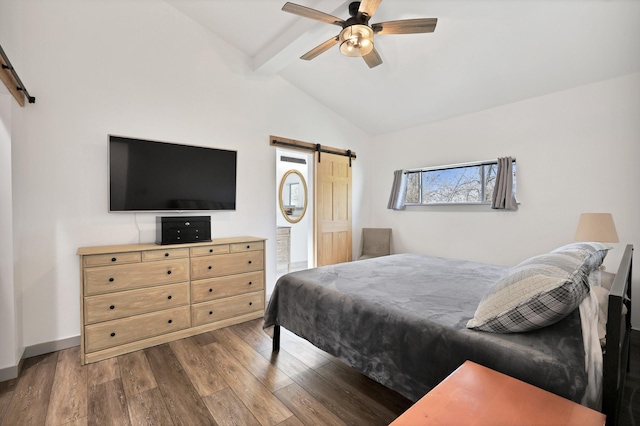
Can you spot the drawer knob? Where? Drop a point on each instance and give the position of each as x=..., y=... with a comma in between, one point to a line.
x=166, y=255
x=110, y=280
x=113, y=334
x=113, y=259
x=249, y=262
x=250, y=303
x=169, y=297
x=250, y=282
x=210, y=250
x=210, y=312
x=210, y=290
x=170, y=321
x=248, y=246
x=210, y=267
x=169, y=272
x=112, y=307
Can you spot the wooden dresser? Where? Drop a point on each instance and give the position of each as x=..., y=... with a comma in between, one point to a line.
x=140, y=295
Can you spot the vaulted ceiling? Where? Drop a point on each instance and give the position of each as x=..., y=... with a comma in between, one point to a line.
x=482, y=54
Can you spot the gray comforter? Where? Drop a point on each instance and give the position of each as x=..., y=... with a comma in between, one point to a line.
x=401, y=320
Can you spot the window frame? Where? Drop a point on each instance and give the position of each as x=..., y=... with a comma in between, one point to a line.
x=450, y=167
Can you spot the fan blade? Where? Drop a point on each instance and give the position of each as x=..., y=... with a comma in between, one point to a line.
x=307, y=12
x=407, y=26
x=320, y=49
x=368, y=7
x=372, y=58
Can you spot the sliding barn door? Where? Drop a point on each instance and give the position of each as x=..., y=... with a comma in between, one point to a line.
x=332, y=209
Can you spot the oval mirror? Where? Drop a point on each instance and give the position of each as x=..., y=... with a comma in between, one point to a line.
x=293, y=196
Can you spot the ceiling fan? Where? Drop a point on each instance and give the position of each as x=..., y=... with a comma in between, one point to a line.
x=356, y=37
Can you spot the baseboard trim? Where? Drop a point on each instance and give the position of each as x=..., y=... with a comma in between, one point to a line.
x=35, y=350
x=12, y=372
x=48, y=347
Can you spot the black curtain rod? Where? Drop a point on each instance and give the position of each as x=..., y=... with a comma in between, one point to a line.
x=21, y=87
x=316, y=148
x=455, y=166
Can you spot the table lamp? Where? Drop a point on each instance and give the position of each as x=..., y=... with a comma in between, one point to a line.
x=597, y=227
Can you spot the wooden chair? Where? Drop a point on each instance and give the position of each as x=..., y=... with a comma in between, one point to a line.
x=375, y=242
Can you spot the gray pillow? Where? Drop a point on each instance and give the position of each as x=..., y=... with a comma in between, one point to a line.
x=536, y=293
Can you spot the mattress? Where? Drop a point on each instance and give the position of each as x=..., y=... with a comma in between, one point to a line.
x=401, y=320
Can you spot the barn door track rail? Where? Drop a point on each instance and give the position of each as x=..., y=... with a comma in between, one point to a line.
x=10, y=78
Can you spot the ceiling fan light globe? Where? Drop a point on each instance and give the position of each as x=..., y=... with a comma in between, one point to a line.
x=365, y=47
x=347, y=48
x=356, y=40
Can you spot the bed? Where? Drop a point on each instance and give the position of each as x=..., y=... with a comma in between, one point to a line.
x=402, y=321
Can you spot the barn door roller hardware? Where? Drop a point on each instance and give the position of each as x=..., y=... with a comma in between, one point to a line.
x=307, y=146
x=10, y=78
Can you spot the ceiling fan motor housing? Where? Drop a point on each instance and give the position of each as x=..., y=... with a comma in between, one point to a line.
x=353, y=8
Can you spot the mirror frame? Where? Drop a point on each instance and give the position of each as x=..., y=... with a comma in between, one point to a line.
x=304, y=187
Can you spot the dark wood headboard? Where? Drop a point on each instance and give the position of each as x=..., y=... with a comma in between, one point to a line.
x=616, y=354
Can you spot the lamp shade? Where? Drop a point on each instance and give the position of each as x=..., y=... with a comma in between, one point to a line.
x=596, y=227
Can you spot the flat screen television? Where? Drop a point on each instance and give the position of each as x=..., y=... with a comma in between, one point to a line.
x=158, y=176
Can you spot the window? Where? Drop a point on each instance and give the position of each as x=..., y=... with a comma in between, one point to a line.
x=457, y=184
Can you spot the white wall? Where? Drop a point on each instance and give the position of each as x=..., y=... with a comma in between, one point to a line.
x=577, y=151
x=139, y=69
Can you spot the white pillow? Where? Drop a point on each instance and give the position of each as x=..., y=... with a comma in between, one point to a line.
x=602, y=294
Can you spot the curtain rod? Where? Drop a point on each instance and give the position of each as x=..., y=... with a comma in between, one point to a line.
x=7, y=66
x=454, y=166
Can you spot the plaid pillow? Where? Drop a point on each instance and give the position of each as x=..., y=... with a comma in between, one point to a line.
x=591, y=253
x=536, y=293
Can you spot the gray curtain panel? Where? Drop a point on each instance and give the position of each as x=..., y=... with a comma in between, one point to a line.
x=503, y=196
x=398, y=191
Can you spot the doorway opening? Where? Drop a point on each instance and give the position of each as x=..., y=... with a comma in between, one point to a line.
x=294, y=210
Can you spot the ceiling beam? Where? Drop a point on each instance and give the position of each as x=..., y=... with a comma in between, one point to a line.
x=299, y=38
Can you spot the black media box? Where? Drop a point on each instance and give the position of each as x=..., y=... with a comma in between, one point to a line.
x=180, y=230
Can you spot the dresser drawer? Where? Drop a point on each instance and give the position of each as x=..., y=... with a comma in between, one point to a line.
x=282, y=255
x=241, y=247
x=111, y=258
x=283, y=231
x=106, y=279
x=230, y=307
x=216, y=288
x=226, y=264
x=122, y=304
x=209, y=250
x=117, y=332
x=150, y=255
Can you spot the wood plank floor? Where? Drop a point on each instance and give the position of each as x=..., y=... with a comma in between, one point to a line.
x=225, y=377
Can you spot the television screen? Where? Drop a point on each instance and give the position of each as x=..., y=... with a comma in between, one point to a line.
x=159, y=176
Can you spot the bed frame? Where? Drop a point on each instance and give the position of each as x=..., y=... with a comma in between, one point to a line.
x=616, y=353
x=617, y=349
